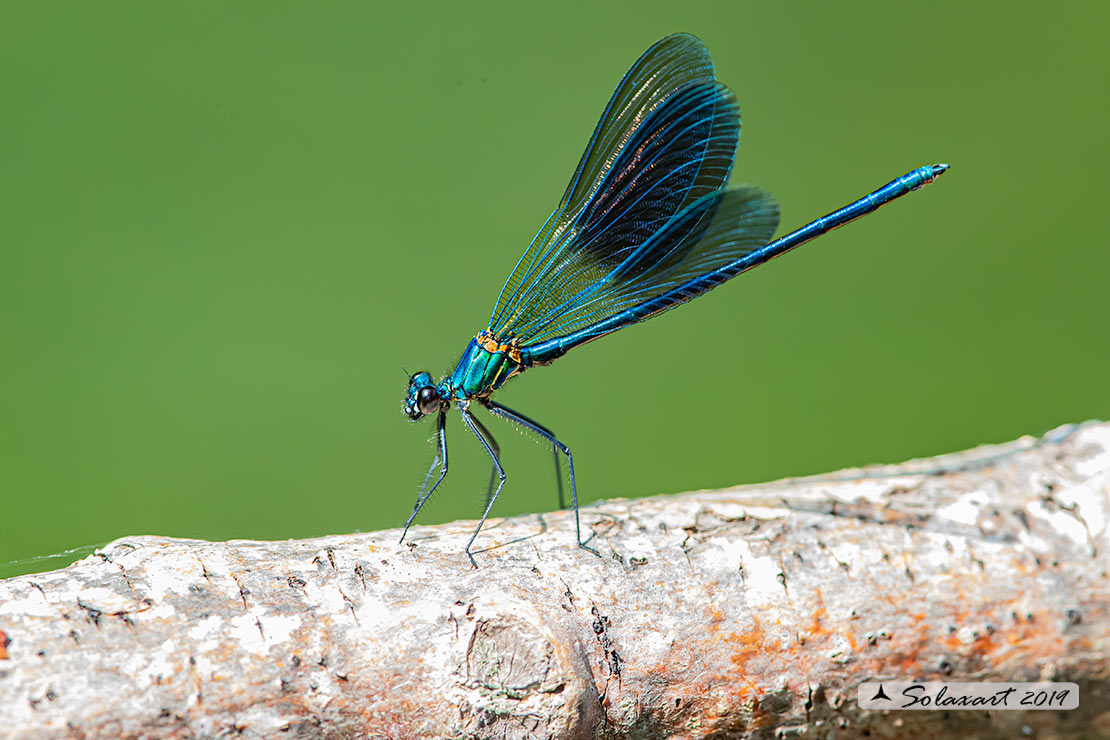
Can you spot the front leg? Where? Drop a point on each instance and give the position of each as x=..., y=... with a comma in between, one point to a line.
x=441, y=457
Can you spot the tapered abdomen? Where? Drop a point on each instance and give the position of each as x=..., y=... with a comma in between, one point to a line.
x=552, y=349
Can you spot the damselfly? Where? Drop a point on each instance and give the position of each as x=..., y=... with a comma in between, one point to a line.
x=645, y=225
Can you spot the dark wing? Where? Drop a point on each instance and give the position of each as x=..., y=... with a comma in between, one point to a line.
x=666, y=139
x=677, y=263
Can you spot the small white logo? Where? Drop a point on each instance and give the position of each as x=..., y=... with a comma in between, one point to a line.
x=967, y=695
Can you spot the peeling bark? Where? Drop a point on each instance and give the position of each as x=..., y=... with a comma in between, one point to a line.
x=750, y=612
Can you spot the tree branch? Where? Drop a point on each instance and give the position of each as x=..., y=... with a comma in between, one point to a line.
x=739, y=613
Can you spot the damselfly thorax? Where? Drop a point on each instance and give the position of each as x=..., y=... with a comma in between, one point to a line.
x=485, y=365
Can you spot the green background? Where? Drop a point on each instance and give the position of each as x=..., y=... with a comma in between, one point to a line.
x=225, y=227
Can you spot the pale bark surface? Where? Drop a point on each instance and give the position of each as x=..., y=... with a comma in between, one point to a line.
x=737, y=613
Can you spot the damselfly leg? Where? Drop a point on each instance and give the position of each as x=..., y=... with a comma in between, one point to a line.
x=496, y=451
x=517, y=418
x=558, y=477
x=474, y=426
x=441, y=458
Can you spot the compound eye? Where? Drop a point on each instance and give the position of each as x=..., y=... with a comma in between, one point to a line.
x=428, y=400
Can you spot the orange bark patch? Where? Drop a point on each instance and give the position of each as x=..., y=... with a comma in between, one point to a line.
x=751, y=644
x=983, y=645
x=815, y=629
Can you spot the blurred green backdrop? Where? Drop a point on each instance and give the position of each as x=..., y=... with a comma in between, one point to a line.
x=226, y=226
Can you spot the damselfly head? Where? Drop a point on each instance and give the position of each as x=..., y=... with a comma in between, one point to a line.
x=423, y=396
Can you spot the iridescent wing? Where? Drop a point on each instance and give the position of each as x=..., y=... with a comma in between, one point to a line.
x=677, y=263
x=667, y=137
